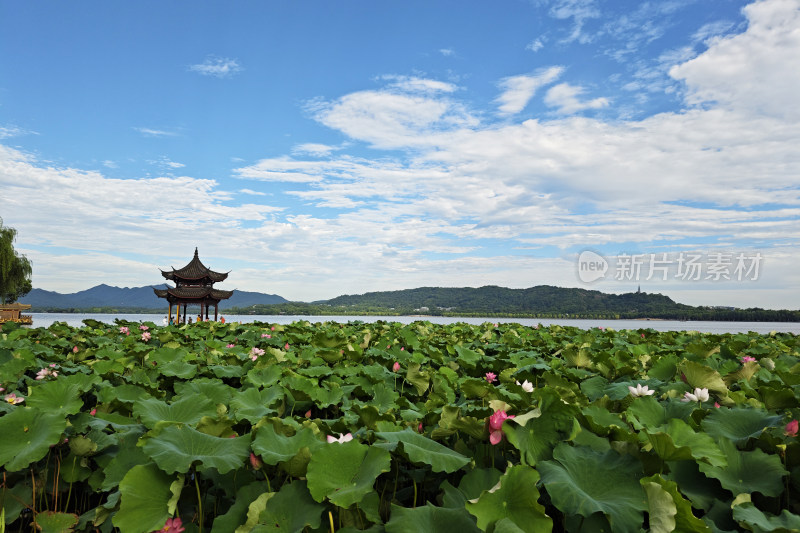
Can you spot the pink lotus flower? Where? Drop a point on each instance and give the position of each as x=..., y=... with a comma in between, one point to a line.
x=402, y=348
x=256, y=461
x=173, y=525
x=420, y=428
x=75, y=349
x=2, y=389
x=255, y=352
x=792, y=428
x=643, y=335
x=13, y=399
x=286, y=346
x=716, y=405
x=491, y=377
x=146, y=336
x=93, y=411
x=272, y=328
x=125, y=330
x=308, y=413
x=341, y=439
x=601, y=328
x=266, y=336
x=495, y=426
x=395, y=366
x=748, y=359
x=143, y=327
x=231, y=346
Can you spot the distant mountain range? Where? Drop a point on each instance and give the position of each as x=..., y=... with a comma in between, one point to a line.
x=127, y=298
x=540, y=301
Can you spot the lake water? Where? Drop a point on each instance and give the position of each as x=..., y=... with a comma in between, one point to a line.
x=76, y=319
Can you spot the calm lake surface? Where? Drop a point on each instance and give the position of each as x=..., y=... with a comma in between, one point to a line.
x=76, y=319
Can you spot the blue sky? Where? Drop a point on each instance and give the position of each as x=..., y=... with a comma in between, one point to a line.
x=322, y=148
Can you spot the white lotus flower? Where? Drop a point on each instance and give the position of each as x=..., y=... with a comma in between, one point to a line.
x=526, y=385
x=700, y=395
x=640, y=390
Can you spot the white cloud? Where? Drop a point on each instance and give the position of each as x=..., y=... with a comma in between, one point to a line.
x=756, y=72
x=10, y=130
x=447, y=52
x=536, y=44
x=518, y=90
x=314, y=149
x=150, y=132
x=110, y=164
x=565, y=98
x=577, y=10
x=218, y=67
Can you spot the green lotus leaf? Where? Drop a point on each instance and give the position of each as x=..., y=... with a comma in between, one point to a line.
x=345, y=472
x=267, y=376
x=420, y=379
x=699, y=375
x=536, y=438
x=471, y=486
x=752, y=518
x=738, y=424
x=188, y=409
x=61, y=396
x=125, y=393
x=175, y=448
x=668, y=510
x=681, y=442
x=52, y=522
x=128, y=455
x=649, y=414
x=15, y=498
x=27, y=435
x=180, y=369
x=290, y=510
x=328, y=394
x=226, y=371
x=516, y=498
x=466, y=357
x=753, y=471
x=430, y=519
x=236, y=514
x=145, y=494
x=581, y=481
x=213, y=389
x=273, y=447
x=421, y=449
x=253, y=404
x=384, y=398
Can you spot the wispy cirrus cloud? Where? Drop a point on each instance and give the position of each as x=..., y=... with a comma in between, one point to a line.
x=152, y=132
x=10, y=130
x=566, y=99
x=518, y=90
x=218, y=67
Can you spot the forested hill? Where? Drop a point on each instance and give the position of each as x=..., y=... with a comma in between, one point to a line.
x=493, y=299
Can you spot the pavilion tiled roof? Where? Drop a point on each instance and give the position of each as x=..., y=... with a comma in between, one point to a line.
x=194, y=293
x=195, y=270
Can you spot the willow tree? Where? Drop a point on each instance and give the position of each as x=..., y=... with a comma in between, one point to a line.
x=15, y=269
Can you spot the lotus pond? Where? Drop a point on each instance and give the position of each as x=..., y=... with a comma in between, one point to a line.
x=396, y=427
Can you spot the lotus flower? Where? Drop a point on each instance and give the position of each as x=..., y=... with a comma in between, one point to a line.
x=526, y=385
x=125, y=330
x=255, y=352
x=342, y=438
x=491, y=377
x=640, y=390
x=256, y=461
x=143, y=327
x=792, y=428
x=495, y=426
x=700, y=395
x=748, y=359
x=146, y=336
x=308, y=413
x=286, y=346
x=266, y=336
x=75, y=349
x=13, y=399
x=395, y=366
x=93, y=411
x=230, y=346
x=173, y=525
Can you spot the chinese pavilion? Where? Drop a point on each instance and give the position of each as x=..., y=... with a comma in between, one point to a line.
x=194, y=285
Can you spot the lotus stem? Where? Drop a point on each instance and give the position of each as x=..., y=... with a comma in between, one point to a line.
x=330, y=519
x=199, y=504
x=414, y=505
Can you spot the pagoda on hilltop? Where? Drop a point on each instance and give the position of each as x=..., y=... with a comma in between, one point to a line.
x=194, y=285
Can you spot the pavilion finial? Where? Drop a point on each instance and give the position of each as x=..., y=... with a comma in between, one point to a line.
x=195, y=251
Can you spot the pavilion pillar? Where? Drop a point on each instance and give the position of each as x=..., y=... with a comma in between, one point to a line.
x=216, y=310
x=169, y=316
x=178, y=314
